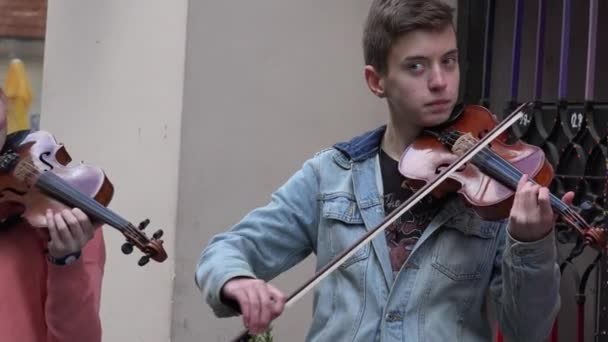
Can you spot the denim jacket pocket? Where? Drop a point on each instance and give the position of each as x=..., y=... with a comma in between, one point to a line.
x=345, y=226
x=464, y=253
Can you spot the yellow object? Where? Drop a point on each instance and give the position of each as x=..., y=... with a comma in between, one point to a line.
x=19, y=93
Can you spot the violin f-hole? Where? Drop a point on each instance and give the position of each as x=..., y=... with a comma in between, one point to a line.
x=41, y=158
x=440, y=168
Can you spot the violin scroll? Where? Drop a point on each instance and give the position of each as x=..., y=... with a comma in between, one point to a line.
x=594, y=236
x=153, y=248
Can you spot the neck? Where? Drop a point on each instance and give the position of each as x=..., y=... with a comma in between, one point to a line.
x=397, y=137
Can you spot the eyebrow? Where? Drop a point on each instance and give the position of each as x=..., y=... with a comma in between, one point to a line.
x=416, y=57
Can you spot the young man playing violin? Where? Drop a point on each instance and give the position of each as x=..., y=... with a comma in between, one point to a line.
x=51, y=279
x=427, y=277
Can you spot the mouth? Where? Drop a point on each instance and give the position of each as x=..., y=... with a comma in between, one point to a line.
x=438, y=105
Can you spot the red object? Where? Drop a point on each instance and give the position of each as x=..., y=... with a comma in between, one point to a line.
x=554, y=331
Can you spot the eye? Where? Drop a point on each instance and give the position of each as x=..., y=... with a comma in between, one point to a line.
x=450, y=61
x=415, y=67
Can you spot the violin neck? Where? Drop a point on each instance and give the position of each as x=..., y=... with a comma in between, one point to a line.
x=59, y=189
x=495, y=166
x=558, y=205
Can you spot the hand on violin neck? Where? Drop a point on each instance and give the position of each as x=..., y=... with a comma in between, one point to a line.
x=532, y=217
x=69, y=231
x=260, y=303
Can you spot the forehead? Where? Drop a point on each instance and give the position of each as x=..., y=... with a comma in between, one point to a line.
x=423, y=43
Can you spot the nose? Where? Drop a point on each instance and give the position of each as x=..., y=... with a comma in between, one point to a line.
x=437, y=79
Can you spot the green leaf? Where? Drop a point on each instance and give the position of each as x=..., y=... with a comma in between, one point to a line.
x=265, y=337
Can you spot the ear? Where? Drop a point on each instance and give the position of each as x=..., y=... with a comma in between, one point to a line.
x=374, y=80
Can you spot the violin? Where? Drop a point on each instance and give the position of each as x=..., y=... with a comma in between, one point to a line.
x=487, y=183
x=36, y=175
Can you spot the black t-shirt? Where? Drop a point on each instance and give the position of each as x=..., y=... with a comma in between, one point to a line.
x=402, y=235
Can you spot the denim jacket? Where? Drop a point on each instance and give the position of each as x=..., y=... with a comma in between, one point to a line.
x=438, y=295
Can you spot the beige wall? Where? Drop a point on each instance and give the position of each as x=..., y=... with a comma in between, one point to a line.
x=113, y=78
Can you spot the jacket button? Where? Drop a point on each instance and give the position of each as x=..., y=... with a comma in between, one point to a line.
x=394, y=316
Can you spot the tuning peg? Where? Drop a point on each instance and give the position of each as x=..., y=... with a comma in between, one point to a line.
x=158, y=234
x=143, y=260
x=143, y=224
x=127, y=248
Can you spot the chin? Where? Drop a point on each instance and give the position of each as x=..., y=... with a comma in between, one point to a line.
x=434, y=119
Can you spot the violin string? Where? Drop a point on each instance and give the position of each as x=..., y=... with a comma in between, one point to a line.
x=131, y=232
x=514, y=175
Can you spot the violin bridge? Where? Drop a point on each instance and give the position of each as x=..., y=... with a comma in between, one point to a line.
x=463, y=144
x=25, y=171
